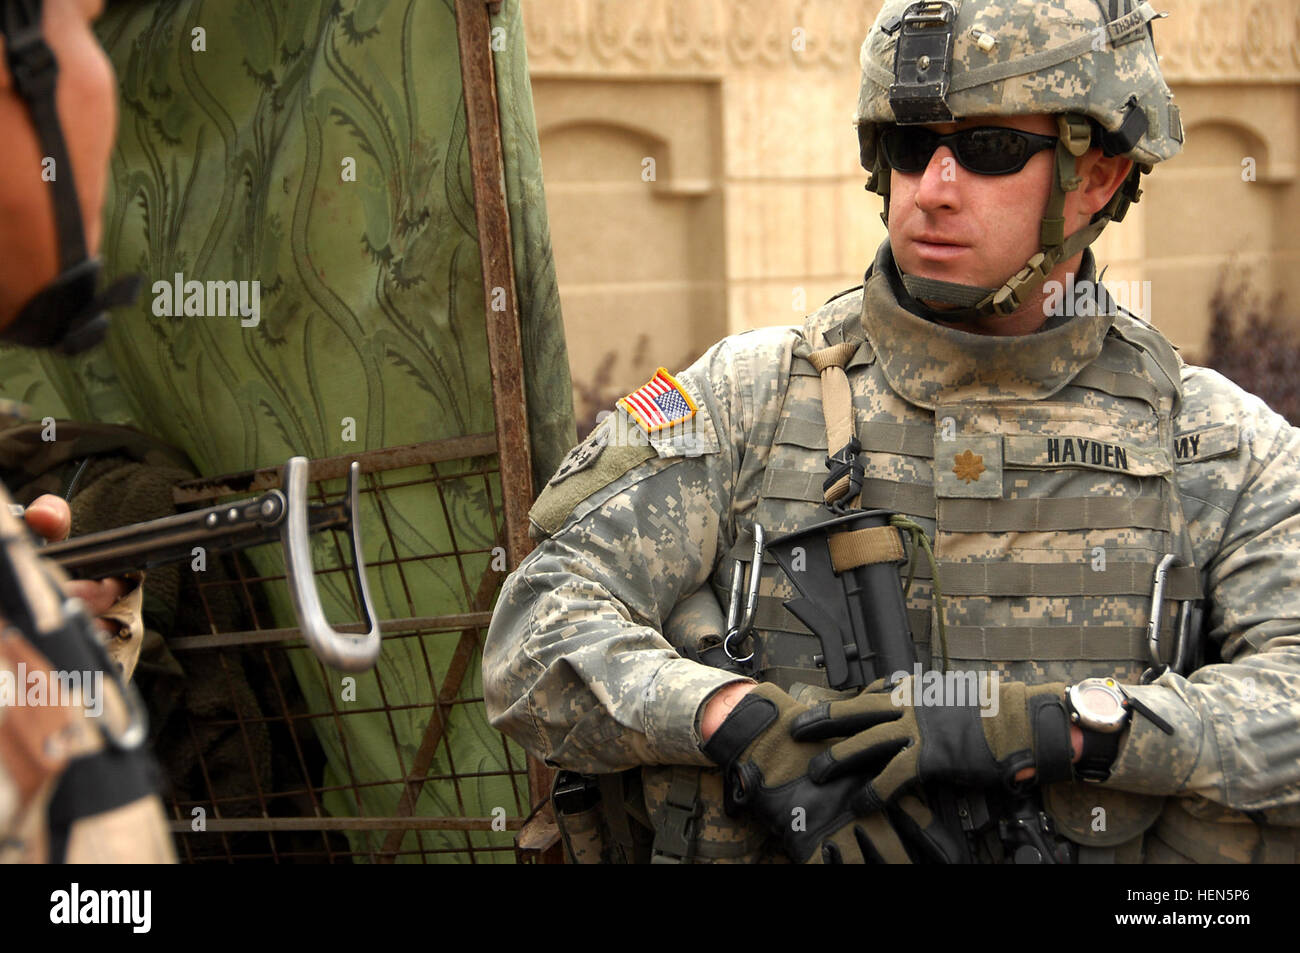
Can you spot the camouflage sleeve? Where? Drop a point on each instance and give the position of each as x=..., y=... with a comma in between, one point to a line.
x=576, y=666
x=1237, y=723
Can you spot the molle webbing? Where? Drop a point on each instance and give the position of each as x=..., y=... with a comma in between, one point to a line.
x=786, y=677
x=631, y=841
x=1014, y=643
x=772, y=615
x=1052, y=515
x=1002, y=643
x=675, y=829
x=1031, y=579
x=1118, y=384
x=877, y=494
x=908, y=439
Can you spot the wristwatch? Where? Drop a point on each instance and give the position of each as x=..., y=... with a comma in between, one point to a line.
x=1101, y=708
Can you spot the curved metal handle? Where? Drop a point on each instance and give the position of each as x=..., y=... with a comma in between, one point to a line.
x=341, y=650
x=1180, y=657
x=1158, y=605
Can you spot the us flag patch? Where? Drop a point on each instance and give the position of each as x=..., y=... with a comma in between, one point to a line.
x=660, y=403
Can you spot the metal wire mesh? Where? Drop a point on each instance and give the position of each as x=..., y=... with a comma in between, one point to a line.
x=287, y=765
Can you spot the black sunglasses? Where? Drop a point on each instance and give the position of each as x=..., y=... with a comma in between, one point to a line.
x=987, y=150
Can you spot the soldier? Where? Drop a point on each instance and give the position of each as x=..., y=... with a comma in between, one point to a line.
x=76, y=784
x=1078, y=481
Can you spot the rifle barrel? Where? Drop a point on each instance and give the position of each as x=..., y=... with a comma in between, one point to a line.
x=172, y=539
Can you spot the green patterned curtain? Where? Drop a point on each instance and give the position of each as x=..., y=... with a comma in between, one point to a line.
x=241, y=123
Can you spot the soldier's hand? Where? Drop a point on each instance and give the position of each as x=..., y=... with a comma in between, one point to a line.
x=767, y=777
x=49, y=517
x=910, y=821
x=900, y=745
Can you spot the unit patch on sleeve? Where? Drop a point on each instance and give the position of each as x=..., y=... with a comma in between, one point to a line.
x=581, y=457
x=660, y=403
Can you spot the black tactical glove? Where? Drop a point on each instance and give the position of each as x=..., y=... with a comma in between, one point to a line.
x=767, y=776
x=927, y=838
x=903, y=745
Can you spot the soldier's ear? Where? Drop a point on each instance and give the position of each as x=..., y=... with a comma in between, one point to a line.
x=1102, y=176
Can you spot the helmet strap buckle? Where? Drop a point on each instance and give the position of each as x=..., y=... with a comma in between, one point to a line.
x=1075, y=138
x=1008, y=297
x=1075, y=133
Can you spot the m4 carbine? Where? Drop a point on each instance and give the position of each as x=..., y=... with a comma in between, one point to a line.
x=282, y=516
x=847, y=573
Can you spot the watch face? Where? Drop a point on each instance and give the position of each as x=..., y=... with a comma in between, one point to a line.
x=1099, y=704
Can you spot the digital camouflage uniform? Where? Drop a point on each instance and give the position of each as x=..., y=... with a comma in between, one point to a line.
x=1053, y=472
x=577, y=668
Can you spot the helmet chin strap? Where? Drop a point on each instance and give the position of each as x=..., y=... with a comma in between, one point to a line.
x=69, y=313
x=973, y=302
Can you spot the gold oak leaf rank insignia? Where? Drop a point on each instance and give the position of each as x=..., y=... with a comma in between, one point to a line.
x=969, y=466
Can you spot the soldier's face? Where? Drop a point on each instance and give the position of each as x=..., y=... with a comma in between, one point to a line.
x=86, y=96
x=951, y=224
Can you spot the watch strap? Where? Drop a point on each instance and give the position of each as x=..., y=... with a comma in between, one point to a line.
x=1098, y=756
x=1050, y=722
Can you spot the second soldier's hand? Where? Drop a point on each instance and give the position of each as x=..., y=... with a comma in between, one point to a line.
x=49, y=517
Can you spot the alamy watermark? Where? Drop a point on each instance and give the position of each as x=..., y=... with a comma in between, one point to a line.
x=133, y=908
x=1087, y=298
x=686, y=437
x=37, y=688
x=211, y=299
x=946, y=689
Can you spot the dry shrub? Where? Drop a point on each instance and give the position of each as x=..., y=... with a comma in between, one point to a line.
x=599, y=392
x=1256, y=345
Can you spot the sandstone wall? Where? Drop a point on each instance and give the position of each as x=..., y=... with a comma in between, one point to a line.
x=702, y=174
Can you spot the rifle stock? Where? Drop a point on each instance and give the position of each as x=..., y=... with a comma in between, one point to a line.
x=860, y=617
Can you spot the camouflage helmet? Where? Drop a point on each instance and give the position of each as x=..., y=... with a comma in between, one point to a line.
x=1091, y=63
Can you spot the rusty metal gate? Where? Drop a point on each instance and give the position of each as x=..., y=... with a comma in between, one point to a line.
x=262, y=786
x=287, y=820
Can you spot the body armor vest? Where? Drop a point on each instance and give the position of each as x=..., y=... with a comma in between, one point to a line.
x=1042, y=469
